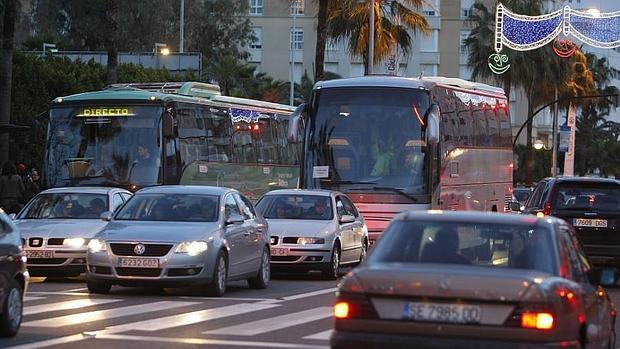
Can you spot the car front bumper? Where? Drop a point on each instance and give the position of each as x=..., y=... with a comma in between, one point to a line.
x=297, y=255
x=346, y=340
x=65, y=261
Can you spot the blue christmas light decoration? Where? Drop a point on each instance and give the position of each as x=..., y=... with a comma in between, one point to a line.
x=523, y=33
x=245, y=115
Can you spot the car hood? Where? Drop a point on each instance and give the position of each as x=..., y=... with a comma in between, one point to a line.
x=298, y=227
x=60, y=228
x=157, y=231
x=451, y=281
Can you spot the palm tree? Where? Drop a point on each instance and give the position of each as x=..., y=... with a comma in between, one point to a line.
x=348, y=20
x=112, y=18
x=321, y=39
x=227, y=71
x=6, y=72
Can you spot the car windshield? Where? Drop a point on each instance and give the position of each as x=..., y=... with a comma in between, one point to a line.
x=170, y=207
x=581, y=196
x=484, y=245
x=296, y=207
x=66, y=205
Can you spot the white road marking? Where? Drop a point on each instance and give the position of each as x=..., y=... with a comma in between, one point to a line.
x=107, y=314
x=30, y=298
x=228, y=298
x=191, y=318
x=275, y=323
x=50, y=342
x=74, y=304
x=76, y=289
x=205, y=341
x=323, y=336
x=59, y=293
x=308, y=294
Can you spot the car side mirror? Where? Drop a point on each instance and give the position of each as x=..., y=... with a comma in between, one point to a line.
x=606, y=277
x=294, y=124
x=346, y=219
x=106, y=216
x=233, y=221
x=515, y=206
x=432, y=125
x=12, y=216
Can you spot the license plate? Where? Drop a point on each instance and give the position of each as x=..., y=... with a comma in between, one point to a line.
x=138, y=263
x=39, y=254
x=437, y=312
x=278, y=251
x=584, y=222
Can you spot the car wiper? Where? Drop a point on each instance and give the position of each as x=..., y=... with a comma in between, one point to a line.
x=398, y=191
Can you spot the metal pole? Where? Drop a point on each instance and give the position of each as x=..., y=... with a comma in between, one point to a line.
x=181, y=26
x=554, y=161
x=371, y=38
x=293, y=35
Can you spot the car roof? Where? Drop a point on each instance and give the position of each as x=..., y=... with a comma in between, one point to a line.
x=83, y=190
x=477, y=217
x=569, y=179
x=318, y=192
x=185, y=189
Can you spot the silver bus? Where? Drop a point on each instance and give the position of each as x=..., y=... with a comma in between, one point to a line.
x=394, y=144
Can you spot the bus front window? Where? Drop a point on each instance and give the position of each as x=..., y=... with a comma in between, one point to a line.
x=103, y=146
x=370, y=138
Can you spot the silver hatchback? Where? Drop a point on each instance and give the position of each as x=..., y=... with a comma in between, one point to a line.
x=313, y=230
x=181, y=236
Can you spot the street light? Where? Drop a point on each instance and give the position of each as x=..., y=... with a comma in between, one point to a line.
x=52, y=47
x=164, y=49
x=538, y=144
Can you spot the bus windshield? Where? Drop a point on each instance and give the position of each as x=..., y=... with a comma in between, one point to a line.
x=370, y=138
x=103, y=146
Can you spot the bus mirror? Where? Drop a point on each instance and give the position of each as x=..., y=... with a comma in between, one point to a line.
x=295, y=123
x=432, y=125
x=168, y=125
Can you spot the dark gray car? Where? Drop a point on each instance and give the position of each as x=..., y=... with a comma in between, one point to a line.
x=180, y=236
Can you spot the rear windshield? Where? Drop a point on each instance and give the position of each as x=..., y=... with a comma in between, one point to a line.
x=580, y=196
x=484, y=245
x=522, y=194
x=66, y=205
x=296, y=207
x=170, y=207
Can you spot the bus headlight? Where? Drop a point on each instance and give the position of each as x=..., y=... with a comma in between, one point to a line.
x=74, y=242
x=192, y=248
x=97, y=245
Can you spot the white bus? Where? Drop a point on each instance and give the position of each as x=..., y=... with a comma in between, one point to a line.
x=394, y=144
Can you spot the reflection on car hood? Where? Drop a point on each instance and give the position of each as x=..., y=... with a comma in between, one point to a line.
x=299, y=227
x=451, y=281
x=60, y=228
x=157, y=231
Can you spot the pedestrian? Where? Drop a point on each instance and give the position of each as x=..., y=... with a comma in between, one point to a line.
x=31, y=185
x=11, y=188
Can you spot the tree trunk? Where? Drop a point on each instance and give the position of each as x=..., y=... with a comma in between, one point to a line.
x=6, y=73
x=114, y=30
x=321, y=39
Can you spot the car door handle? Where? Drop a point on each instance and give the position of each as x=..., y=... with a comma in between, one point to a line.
x=247, y=233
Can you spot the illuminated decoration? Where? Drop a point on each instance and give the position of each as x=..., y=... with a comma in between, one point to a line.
x=96, y=112
x=524, y=33
x=564, y=47
x=245, y=115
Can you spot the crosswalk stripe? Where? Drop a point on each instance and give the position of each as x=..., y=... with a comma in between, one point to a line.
x=275, y=323
x=323, y=336
x=74, y=304
x=31, y=298
x=107, y=314
x=191, y=318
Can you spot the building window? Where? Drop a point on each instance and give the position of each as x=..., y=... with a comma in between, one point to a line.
x=466, y=8
x=297, y=38
x=428, y=12
x=297, y=7
x=464, y=36
x=257, y=43
x=466, y=12
x=430, y=43
x=331, y=45
x=256, y=7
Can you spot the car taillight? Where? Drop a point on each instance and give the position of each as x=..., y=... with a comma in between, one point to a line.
x=539, y=321
x=354, y=306
x=547, y=209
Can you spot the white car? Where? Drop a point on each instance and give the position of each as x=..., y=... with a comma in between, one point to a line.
x=313, y=230
x=57, y=224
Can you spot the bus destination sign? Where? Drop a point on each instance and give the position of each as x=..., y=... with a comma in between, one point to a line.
x=97, y=112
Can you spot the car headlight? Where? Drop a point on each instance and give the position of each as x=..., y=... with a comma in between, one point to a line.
x=310, y=241
x=192, y=248
x=74, y=242
x=97, y=245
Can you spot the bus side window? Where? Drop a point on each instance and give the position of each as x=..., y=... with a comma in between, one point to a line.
x=493, y=127
x=480, y=124
x=506, y=130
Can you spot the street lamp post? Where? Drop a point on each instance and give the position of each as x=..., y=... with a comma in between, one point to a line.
x=554, y=155
x=181, y=25
x=294, y=11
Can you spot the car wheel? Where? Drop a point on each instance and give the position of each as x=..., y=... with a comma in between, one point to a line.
x=11, y=317
x=98, y=287
x=217, y=287
x=332, y=269
x=264, y=272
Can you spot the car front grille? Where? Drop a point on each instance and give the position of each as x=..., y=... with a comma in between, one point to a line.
x=273, y=240
x=55, y=241
x=285, y=258
x=35, y=242
x=150, y=250
x=145, y=272
x=35, y=261
x=289, y=240
x=100, y=270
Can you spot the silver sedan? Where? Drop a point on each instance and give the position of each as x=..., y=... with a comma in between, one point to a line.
x=181, y=236
x=57, y=224
x=313, y=230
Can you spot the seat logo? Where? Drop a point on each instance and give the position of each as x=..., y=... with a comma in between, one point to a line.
x=139, y=249
x=36, y=242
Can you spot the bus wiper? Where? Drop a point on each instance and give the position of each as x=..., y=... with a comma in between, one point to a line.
x=398, y=191
x=350, y=182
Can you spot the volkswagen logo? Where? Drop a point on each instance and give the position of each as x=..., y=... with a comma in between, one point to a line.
x=139, y=249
